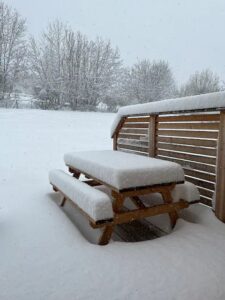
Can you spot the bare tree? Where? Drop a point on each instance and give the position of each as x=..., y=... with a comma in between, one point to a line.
x=150, y=81
x=46, y=65
x=70, y=69
x=12, y=48
x=201, y=83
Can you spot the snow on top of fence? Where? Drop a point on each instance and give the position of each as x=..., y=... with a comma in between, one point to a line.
x=190, y=103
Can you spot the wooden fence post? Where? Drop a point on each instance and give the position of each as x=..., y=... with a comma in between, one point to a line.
x=220, y=172
x=152, y=136
x=116, y=133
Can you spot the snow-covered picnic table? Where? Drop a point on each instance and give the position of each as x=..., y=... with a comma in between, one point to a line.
x=127, y=176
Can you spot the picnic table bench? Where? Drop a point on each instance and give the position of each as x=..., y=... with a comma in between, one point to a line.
x=126, y=176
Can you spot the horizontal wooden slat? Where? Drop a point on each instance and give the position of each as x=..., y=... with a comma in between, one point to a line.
x=185, y=125
x=200, y=175
x=203, y=159
x=132, y=147
x=131, y=136
x=202, y=117
x=135, y=130
x=190, y=164
x=133, y=152
x=206, y=193
x=138, y=119
x=206, y=201
x=135, y=125
x=185, y=133
x=201, y=183
x=133, y=142
x=187, y=141
x=188, y=149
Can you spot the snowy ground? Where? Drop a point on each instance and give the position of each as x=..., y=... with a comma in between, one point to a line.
x=44, y=256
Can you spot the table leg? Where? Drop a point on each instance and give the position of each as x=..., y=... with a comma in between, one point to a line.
x=75, y=173
x=167, y=198
x=108, y=230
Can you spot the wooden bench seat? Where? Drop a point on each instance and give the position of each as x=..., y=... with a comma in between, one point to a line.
x=96, y=204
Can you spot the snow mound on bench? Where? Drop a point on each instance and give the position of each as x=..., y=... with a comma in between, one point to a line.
x=125, y=170
x=94, y=202
x=190, y=103
x=186, y=191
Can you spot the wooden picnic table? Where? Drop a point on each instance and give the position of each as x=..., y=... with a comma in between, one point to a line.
x=129, y=176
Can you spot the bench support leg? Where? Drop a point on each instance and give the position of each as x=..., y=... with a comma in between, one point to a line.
x=137, y=201
x=167, y=198
x=75, y=173
x=63, y=202
x=106, y=235
x=54, y=189
x=108, y=230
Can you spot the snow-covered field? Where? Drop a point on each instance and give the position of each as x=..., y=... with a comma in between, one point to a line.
x=44, y=256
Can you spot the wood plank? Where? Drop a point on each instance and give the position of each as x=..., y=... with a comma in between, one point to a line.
x=187, y=141
x=188, y=149
x=135, y=125
x=119, y=126
x=133, y=152
x=131, y=136
x=186, y=164
x=201, y=175
x=220, y=175
x=134, y=130
x=195, y=158
x=115, y=142
x=116, y=132
x=206, y=193
x=152, y=136
x=137, y=202
x=133, y=142
x=138, y=119
x=144, y=190
x=201, y=183
x=106, y=235
x=192, y=117
x=206, y=201
x=184, y=133
x=137, y=214
x=185, y=125
x=133, y=147
x=91, y=182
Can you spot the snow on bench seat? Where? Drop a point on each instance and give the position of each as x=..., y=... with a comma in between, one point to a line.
x=186, y=191
x=94, y=202
x=124, y=170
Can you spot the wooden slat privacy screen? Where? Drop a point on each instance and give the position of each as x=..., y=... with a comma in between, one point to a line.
x=188, y=139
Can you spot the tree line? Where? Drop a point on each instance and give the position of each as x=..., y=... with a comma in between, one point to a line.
x=64, y=69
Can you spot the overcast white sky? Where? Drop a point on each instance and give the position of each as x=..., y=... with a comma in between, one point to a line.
x=189, y=34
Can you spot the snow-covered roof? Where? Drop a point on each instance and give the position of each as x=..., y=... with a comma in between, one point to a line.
x=200, y=102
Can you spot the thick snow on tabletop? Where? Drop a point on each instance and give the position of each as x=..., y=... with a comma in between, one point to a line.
x=124, y=170
x=206, y=101
x=95, y=203
x=44, y=256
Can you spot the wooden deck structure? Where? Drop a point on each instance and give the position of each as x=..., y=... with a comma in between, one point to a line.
x=195, y=139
